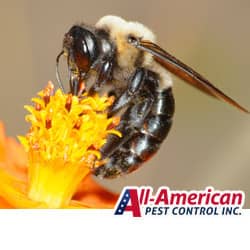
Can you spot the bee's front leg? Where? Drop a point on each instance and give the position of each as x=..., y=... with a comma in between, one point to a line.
x=104, y=74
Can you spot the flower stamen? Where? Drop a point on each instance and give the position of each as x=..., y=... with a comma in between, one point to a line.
x=68, y=102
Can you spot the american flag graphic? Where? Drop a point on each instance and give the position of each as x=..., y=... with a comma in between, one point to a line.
x=123, y=203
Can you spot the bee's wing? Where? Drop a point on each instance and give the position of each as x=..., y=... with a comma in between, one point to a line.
x=184, y=72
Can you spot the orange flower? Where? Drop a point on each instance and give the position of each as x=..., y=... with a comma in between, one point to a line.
x=62, y=146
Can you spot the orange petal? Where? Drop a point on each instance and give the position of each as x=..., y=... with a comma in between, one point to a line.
x=4, y=203
x=17, y=154
x=11, y=191
x=13, y=158
x=77, y=204
x=2, y=143
x=94, y=195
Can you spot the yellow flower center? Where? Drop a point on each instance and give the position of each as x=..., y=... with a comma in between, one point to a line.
x=63, y=142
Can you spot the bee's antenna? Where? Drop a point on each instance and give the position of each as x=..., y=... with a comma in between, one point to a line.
x=58, y=78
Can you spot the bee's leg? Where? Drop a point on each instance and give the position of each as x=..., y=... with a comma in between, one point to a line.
x=130, y=121
x=104, y=72
x=135, y=85
x=139, y=111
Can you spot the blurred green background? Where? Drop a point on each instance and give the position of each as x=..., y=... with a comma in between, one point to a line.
x=209, y=143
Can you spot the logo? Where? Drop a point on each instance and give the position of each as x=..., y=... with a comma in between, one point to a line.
x=141, y=201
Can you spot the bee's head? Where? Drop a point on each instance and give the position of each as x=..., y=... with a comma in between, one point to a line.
x=120, y=31
x=81, y=48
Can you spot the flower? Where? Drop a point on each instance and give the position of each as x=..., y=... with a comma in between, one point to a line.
x=60, y=150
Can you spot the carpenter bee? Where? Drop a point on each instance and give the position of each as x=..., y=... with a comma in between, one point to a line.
x=124, y=55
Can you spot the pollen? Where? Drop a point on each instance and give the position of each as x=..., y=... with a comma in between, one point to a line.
x=63, y=142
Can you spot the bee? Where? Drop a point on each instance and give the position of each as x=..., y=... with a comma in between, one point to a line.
x=124, y=55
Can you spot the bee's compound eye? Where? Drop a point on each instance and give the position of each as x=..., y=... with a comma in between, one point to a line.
x=82, y=45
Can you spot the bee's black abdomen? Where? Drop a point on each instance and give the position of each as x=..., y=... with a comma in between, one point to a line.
x=159, y=121
x=142, y=135
x=164, y=104
x=121, y=162
x=157, y=127
x=143, y=145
